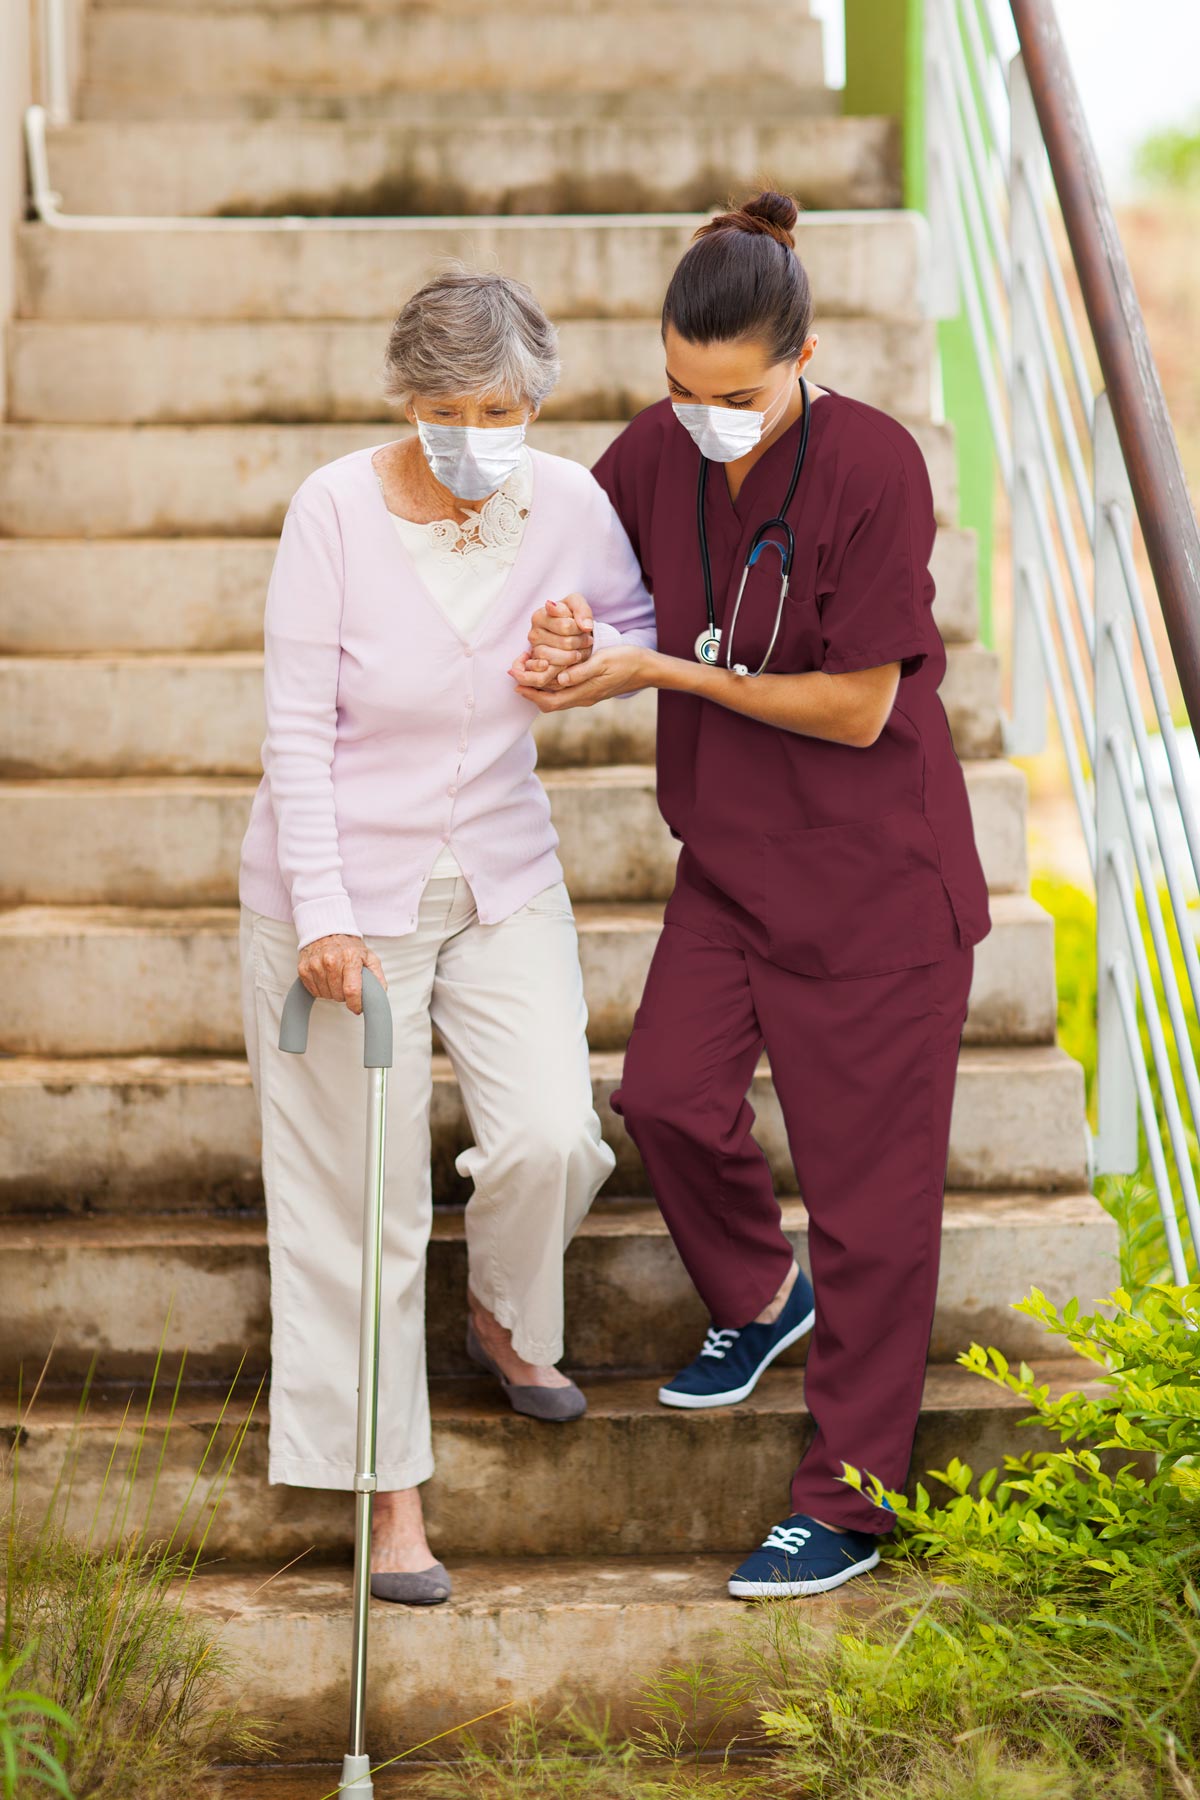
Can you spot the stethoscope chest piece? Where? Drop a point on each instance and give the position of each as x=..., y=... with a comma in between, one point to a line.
x=708, y=646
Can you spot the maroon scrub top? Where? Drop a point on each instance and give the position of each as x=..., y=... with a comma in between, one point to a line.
x=830, y=860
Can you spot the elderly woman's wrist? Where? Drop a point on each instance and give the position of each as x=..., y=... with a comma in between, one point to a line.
x=329, y=915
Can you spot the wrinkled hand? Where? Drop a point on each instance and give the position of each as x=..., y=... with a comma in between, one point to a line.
x=620, y=670
x=562, y=632
x=331, y=968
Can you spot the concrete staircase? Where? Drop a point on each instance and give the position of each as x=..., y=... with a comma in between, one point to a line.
x=169, y=388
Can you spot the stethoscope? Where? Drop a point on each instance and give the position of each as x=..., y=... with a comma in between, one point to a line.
x=708, y=644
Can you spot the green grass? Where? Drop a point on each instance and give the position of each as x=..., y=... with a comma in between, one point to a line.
x=110, y=1689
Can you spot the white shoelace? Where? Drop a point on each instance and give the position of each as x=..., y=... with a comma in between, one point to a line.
x=791, y=1538
x=718, y=1342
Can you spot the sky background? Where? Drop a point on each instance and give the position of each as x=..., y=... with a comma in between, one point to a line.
x=1136, y=62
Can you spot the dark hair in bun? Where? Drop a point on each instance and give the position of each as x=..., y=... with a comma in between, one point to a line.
x=741, y=278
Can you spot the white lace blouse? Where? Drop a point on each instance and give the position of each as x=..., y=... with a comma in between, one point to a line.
x=465, y=566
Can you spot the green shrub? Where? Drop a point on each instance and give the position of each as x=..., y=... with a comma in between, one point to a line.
x=1066, y=1514
x=1045, y=1641
x=1170, y=158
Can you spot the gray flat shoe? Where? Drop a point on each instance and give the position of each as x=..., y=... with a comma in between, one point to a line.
x=555, y=1405
x=427, y=1587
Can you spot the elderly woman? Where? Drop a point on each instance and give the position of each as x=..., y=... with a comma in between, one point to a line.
x=399, y=826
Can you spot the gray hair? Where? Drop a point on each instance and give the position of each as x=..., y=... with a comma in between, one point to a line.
x=473, y=335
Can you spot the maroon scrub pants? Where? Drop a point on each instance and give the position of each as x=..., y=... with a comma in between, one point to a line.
x=864, y=1069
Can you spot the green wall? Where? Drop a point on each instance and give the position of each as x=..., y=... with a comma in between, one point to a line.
x=885, y=75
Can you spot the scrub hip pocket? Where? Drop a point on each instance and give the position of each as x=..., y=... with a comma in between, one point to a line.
x=861, y=898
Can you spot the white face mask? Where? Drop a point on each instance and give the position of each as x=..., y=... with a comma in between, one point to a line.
x=472, y=460
x=724, y=433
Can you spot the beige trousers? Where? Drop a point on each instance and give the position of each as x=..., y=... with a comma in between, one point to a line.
x=507, y=1000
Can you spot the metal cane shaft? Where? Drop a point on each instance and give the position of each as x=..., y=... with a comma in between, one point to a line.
x=368, y=1399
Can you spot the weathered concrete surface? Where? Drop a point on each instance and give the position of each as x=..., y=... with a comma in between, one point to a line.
x=203, y=715
x=133, y=983
x=517, y=1633
x=155, y=841
x=176, y=842
x=108, y=981
x=582, y=266
x=206, y=594
x=212, y=480
x=632, y=1477
x=121, y=1289
x=649, y=164
x=187, y=374
x=181, y=1132
x=169, y=54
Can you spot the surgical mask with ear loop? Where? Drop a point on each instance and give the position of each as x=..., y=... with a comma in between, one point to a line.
x=472, y=460
x=724, y=433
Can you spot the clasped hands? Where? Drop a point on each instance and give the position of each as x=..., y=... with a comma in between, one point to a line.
x=563, y=668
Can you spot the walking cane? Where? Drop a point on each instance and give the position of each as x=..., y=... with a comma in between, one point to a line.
x=377, y=1057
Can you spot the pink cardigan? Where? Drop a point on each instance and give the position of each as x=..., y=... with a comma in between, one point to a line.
x=388, y=734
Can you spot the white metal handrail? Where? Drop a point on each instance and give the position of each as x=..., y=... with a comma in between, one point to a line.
x=1074, y=641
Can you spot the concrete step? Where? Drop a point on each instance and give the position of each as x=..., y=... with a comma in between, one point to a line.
x=123, y=481
x=155, y=56
x=149, y=372
x=162, y=841
x=518, y=1633
x=648, y=164
x=614, y=1481
x=120, y=1289
x=165, y=842
x=107, y=981
x=113, y=595
x=196, y=714
x=171, y=1134
x=184, y=965
x=129, y=702
x=580, y=267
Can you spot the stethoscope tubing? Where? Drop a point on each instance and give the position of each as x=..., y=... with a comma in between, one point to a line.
x=758, y=543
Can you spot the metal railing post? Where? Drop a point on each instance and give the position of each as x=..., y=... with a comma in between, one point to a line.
x=1116, y=1092
x=55, y=51
x=944, y=297
x=1026, y=725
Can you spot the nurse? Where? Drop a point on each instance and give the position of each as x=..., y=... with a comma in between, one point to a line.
x=829, y=891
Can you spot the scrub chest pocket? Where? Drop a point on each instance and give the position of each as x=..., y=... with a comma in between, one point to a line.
x=861, y=898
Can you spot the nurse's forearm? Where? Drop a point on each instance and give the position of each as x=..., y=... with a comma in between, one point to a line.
x=845, y=709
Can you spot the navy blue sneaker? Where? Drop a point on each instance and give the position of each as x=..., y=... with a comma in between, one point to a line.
x=729, y=1365
x=802, y=1557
